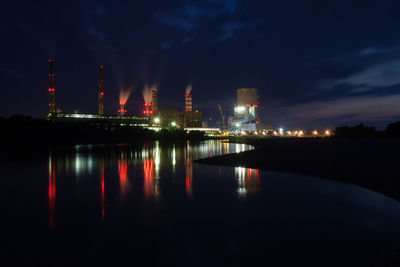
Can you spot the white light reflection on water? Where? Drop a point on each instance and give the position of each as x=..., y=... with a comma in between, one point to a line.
x=156, y=155
x=248, y=180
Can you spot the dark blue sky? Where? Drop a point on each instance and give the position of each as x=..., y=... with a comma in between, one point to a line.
x=315, y=63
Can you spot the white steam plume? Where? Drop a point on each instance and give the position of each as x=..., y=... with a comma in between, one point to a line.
x=123, y=96
x=146, y=94
x=188, y=89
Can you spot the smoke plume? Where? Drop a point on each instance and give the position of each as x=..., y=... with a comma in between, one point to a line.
x=188, y=89
x=123, y=96
x=146, y=94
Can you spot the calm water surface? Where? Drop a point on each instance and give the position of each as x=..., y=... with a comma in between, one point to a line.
x=149, y=205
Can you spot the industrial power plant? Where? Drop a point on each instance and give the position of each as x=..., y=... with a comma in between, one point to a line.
x=152, y=117
x=245, y=119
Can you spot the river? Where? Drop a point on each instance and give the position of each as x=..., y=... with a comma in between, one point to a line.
x=149, y=205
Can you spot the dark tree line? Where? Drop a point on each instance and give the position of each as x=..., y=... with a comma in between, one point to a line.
x=360, y=130
x=20, y=130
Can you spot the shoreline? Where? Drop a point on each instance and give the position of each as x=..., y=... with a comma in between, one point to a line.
x=370, y=163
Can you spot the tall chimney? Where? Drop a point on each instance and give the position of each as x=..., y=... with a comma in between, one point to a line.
x=147, y=109
x=154, y=100
x=101, y=92
x=122, y=109
x=188, y=102
x=52, y=108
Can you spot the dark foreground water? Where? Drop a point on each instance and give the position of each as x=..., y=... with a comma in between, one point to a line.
x=149, y=205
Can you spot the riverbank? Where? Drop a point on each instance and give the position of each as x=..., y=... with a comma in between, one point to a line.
x=371, y=163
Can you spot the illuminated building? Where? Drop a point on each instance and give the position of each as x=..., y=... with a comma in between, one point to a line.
x=183, y=119
x=192, y=119
x=245, y=116
x=103, y=120
x=245, y=111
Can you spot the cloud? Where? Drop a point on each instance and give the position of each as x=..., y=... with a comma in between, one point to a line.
x=165, y=45
x=376, y=76
x=90, y=17
x=348, y=109
x=376, y=50
x=188, y=16
x=229, y=29
x=176, y=22
x=186, y=39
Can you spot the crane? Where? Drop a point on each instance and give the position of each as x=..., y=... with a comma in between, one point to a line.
x=222, y=116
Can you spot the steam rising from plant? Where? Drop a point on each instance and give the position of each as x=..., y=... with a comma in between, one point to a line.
x=147, y=94
x=188, y=89
x=123, y=96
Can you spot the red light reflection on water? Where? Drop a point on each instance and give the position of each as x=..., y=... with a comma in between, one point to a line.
x=52, y=192
x=189, y=176
x=248, y=180
x=149, y=190
x=102, y=191
x=123, y=174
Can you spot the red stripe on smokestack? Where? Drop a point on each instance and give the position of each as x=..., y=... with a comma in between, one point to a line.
x=188, y=102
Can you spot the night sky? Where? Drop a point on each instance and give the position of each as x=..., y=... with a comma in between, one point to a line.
x=314, y=63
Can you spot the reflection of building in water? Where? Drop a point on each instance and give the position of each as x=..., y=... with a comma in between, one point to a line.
x=150, y=186
x=189, y=171
x=52, y=190
x=173, y=159
x=102, y=188
x=156, y=156
x=248, y=180
x=123, y=174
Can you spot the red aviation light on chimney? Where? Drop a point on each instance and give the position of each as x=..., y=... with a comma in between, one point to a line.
x=51, y=87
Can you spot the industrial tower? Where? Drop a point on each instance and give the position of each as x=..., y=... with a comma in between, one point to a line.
x=101, y=92
x=154, y=100
x=188, y=102
x=52, y=108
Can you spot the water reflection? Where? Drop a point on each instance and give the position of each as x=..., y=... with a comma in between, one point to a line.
x=173, y=156
x=150, y=186
x=189, y=171
x=52, y=190
x=148, y=165
x=248, y=180
x=156, y=217
x=102, y=189
x=123, y=174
